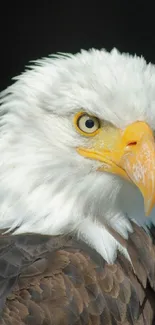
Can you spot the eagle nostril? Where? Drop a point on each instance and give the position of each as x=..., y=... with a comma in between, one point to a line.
x=132, y=143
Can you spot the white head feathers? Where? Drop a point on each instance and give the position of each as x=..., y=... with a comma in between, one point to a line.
x=45, y=186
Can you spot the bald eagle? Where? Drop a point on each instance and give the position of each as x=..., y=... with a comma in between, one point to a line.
x=77, y=180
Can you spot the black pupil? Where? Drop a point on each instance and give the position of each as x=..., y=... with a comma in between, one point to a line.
x=89, y=124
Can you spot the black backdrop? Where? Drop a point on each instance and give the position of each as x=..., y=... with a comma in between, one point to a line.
x=29, y=30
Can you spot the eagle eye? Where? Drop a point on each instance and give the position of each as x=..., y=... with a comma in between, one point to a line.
x=87, y=124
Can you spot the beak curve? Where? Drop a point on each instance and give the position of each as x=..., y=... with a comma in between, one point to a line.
x=139, y=164
x=130, y=153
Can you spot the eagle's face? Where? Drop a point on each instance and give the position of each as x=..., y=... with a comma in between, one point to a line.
x=77, y=147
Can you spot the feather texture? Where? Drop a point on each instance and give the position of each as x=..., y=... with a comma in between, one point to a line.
x=61, y=281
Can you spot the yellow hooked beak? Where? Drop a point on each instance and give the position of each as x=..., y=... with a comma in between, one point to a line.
x=129, y=153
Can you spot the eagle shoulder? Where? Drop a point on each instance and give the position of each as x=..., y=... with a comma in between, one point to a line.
x=60, y=280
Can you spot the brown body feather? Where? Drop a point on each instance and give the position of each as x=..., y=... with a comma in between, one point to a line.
x=61, y=281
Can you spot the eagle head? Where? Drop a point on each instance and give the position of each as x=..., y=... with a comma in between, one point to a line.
x=77, y=148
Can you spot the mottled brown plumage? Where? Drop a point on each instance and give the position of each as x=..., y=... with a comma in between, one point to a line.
x=61, y=281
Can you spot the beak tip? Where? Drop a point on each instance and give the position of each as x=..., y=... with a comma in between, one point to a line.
x=148, y=207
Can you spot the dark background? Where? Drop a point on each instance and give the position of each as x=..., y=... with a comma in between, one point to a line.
x=32, y=30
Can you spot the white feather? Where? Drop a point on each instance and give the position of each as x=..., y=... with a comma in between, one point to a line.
x=45, y=186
